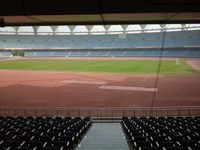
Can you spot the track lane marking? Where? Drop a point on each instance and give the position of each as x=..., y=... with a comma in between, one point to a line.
x=128, y=88
x=83, y=82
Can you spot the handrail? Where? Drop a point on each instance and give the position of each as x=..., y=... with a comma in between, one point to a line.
x=100, y=112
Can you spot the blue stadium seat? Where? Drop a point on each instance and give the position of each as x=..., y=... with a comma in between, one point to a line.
x=176, y=44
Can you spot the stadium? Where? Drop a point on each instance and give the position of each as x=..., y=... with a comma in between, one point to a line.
x=66, y=86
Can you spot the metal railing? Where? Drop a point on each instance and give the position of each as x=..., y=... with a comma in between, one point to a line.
x=100, y=112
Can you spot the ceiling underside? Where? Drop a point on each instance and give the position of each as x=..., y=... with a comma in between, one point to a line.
x=85, y=12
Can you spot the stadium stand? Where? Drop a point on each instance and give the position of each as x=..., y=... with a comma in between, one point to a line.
x=56, y=133
x=170, y=133
x=18, y=132
x=114, y=53
x=5, y=53
x=172, y=39
x=48, y=133
x=176, y=44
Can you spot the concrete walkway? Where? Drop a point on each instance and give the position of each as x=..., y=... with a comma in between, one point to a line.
x=104, y=136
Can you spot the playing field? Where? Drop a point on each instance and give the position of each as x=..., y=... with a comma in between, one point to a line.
x=115, y=66
x=98, y=82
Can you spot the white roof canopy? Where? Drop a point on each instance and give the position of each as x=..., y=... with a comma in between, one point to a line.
x=96, y=29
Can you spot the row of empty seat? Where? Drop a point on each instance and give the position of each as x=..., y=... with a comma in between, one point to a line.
x=172, y=39
x=64, y=133
x=115, y=53
x=5, y=53
x=41, y=133
x=108, y=53
x=163, y=133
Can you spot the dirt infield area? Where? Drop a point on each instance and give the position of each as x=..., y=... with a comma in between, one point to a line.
x=71, y=89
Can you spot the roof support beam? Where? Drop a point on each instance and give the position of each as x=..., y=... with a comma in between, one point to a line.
x=16, y=29
x=163, y=26
x=35, y=28
x=124, y=28
x=54, y=28
x=143, y=26
x=107, y=27
x=89, y=28
x=72, y=29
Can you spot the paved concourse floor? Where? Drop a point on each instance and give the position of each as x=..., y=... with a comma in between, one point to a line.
x=104, y=136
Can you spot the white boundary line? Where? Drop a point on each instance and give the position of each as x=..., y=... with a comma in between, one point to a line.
x=129, y=88
x=107, y=87
x=83, y=82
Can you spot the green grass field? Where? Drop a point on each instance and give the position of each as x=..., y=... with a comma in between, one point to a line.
x=119, y=66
